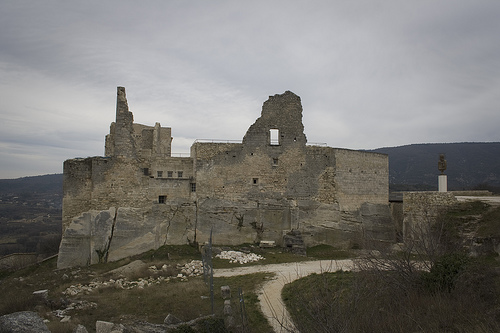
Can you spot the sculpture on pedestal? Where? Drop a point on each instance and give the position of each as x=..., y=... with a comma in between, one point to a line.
x=441, y=163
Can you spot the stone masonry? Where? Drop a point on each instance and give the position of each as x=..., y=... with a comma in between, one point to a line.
x=138, y=197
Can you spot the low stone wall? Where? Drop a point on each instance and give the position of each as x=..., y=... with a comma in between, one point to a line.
x=421, y=208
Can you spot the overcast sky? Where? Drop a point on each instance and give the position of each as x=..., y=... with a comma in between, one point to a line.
x=369, y=73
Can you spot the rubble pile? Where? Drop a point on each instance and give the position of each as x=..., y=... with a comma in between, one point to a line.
x=239, y=257
x=194, y=268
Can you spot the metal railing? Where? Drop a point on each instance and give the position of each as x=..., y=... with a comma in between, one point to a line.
x=217, y=141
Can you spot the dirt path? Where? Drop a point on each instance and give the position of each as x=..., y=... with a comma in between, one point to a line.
x=492, y=200
x=270, y=293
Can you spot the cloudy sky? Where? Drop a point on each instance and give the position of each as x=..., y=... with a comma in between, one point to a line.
x=370, y=73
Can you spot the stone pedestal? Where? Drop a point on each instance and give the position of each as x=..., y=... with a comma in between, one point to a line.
x=443, y=183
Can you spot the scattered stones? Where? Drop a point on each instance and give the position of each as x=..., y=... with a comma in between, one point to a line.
x=80, y=329
x=66, y=319
x=239, y=257
x=103, y=326
x=77, y=305
x=43, y=295
x=191, y=269
x=170, y=319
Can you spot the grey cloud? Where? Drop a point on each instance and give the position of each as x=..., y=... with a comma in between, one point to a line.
x=369, y=73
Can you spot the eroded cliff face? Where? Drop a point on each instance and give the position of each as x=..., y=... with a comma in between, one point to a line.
x=138, y=197
x=116, y=233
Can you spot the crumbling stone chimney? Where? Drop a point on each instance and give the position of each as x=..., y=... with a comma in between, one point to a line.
x=121, y=142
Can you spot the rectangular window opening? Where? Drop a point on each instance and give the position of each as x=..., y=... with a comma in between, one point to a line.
x=275, y=162
x=274, y=137
x=170, y=174
x=146, y=171
x=179, y=174
x=162, y=199
x=159, y=174
x=193, y=187
x=255, y=181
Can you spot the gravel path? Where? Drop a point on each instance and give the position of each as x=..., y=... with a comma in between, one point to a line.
x=493, y=200
x=270, y=293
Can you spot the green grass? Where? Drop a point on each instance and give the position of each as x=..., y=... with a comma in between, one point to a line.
x=327, y=252
x=489, y=224
x=475, y=207
x=171, y=252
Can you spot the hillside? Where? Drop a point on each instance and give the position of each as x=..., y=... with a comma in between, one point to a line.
x=46, y=184
x=30, y=214
x=470, y=165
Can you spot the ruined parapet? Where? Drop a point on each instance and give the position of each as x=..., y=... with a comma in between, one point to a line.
x=130, y=140
x=280, y=123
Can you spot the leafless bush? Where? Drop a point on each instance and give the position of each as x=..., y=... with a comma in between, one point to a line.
x=428, y=285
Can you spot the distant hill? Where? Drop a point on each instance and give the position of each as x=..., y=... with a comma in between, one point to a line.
x=30, y=214
x=470, y=165
x=46, y=184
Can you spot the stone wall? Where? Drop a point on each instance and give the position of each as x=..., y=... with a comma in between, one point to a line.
x=421, y=208
x=138, y=197
x=361, y=177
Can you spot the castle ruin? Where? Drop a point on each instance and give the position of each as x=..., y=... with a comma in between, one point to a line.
x=138, y=197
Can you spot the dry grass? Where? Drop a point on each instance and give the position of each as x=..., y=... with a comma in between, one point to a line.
x=390, y=293
x=185, y=300
x=361, y=302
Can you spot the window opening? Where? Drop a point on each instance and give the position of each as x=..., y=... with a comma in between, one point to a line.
x=162, y=199
x=146, y=171
x=170, y=174
x=274, y=135
x=179, y=174
x=193, y=187
x=275, y=161
x=159, y=174
x=255, y=181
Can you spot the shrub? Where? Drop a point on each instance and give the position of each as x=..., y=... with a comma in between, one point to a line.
x=444, y=272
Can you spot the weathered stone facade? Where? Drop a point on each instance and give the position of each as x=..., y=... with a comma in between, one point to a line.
x=138, y=197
